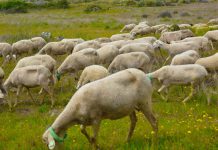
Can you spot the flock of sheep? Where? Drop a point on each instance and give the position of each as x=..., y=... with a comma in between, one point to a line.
x=122, y=88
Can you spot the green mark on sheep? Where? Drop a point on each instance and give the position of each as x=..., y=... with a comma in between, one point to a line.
x=58, y=76
x=56, y=137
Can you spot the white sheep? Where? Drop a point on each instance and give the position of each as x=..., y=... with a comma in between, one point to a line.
x=118, y=44
x=29, y=77
x=123, y=36
x=5, y=52
x=78, y=61
x=92, y=73
x=142, y=29
x=167, y=37
x=176, y=48
x=107, y=53
x=184, y=26
x=75, y=41
x=113, y=97
x=188, y=57
x=200, y=40
x=192, y=74
x=213, y=21
x=38, y=43
x=158, y=27
x=87, y=44
x=137, y=60
x=128, y=27
x=2, y=89
x=212, y=35
x=22, y=46
x=148, y=39
x=103, y=40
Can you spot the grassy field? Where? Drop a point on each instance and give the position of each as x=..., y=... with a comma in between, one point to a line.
x=181, y=127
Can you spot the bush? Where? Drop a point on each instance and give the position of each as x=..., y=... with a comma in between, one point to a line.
x=165, y=14
x=14, y=6
x=62, y=4
x=93, y=8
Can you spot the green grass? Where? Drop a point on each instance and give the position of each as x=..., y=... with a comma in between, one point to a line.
x=181, y=127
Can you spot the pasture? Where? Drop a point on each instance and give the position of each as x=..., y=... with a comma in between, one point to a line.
x=181, y=127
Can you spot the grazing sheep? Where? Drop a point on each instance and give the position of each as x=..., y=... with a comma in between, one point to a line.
x=2, y=89
x=156, y=28
x=103, y=40
x=148, y=39
x=123, y=36
x=78, y=61
x=212, y=35
x=199, y=25
x=113, y=97
x=167, y=37
x=176, y=48
x=118, y=44
x=180, y=75
x=188, y=57
x=213, y=21
x=75, y=41
x=107, y=53
x=38, y=43
x=29, y=77
x=92, y=73
x=210, y=62
x=87, y=44
x=184, y=26
x=200, y=40
x=137, y=60
x=128, y=27
x=22, y=46
x=141, y=29
x=5, y=52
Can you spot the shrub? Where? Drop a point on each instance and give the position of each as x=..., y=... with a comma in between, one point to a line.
x=13, y=6
x=62, y=4
x=93, y=8
x=165, y=14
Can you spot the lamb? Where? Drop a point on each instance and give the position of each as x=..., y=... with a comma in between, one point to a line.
x=29, y=77
x=212, y=35
x=38, y=43
x=92, y=73
x=188, y=57
x=128, y=27
x=113, y=97
x=87, y=44
x=22, y=46
x=107, y=53
x=180, y=75
x=78, y=61
x=5, y=52
x=123, y=36
x=58, y=48
x=176, y=48
x=200, y=40
x=137, y=60
x=167, y=37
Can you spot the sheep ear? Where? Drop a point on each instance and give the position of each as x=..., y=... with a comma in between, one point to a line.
x=51, y=142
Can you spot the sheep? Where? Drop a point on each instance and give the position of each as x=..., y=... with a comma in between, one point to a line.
x=193, y=74
x=123, y=36
x=184, y=26
x=58, y=48
x=22, y=46
x=200, y=40
x=75, y=41
x=167, y=37
x=5, y=52
x=213, y=21
x=118, y=44
x=2, y=89
x=199, y=25
x=92, y=73
x=176, y=48
x=188, y=57
x=128, y=27
x=87, y=44
x=103, y=40
x=107, y=53
x=141, y=29
x=29, y=77
x=137, y=60
x=38, y=43
x=148, y=39
x=212, y=35
x=78, y=61
x=113, y=97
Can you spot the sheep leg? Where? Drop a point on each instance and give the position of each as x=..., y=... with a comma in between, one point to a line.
x=9, y=102
x=147, y=111
x=17, y=95
x=51, y=93
x=95, y=128
x=161, y=89
x=191, y=93
x=84, y=132
x=133, y=120
x=28, y=91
